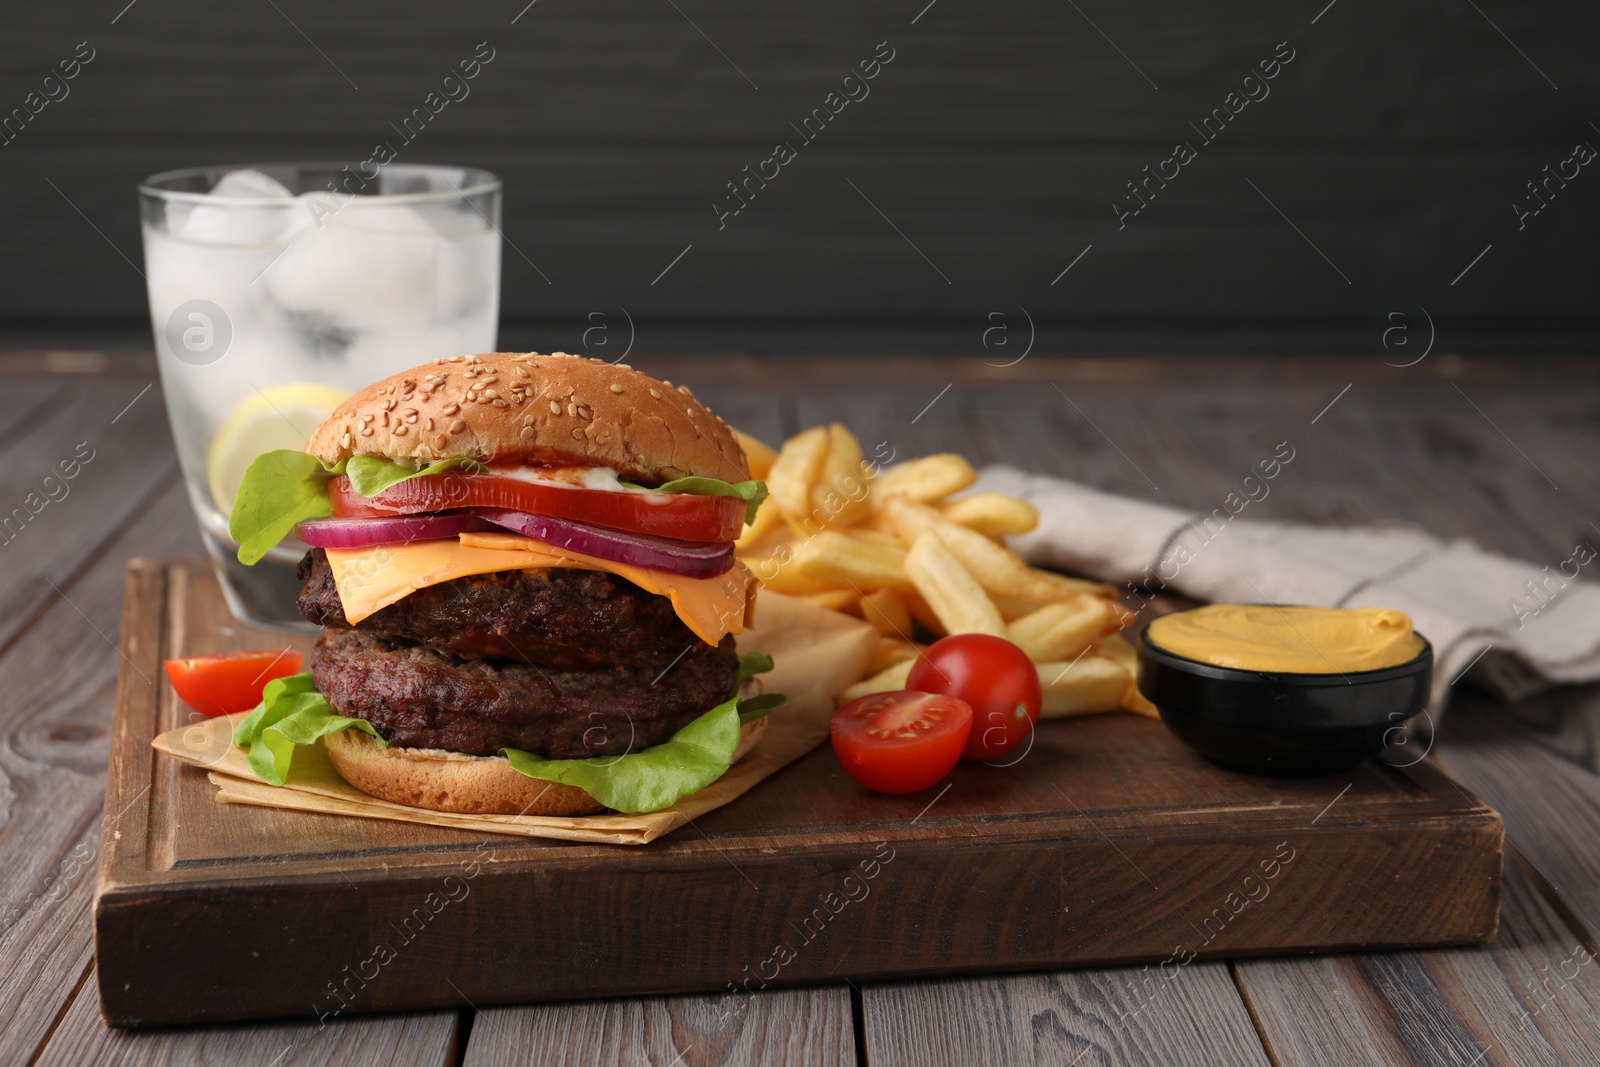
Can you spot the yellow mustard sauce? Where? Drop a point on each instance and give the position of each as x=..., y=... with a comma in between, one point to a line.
x=1289, y=640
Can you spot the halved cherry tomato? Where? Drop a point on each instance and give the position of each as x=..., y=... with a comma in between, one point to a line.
x=230, y=682
x=995, y=677
x=900, y=742
x=685, y=516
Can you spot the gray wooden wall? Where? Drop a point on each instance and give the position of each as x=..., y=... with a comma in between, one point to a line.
x=988, y=156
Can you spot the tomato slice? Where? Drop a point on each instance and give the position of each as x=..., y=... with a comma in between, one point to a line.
x=230, y=682
x=992, y=675
x=685, y=516
x=900, y=742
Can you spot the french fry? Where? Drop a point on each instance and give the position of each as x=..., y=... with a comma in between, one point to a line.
x=1088, y=686
x=1058, y=632
x=768, y=519
x=923, y=480
x=839, y=497
x=956, y=597
x=884, y=681
x=1000, y=570
x=757, y=453
x=1117, y=649
x=1013, y=608
x=886, y=610
x=839, y=560
x=874, y=537
x=892, y=650
x=921, y=613
x=992, y=514
x=795, y=471
x=781, y=576
x=834, y=599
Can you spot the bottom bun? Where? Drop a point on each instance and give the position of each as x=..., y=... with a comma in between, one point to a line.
x=471, y=785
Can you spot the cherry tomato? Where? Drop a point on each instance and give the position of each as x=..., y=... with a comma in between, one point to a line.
x=230, y=682
x=994, y=677
x=685, y=516
x=900, y=742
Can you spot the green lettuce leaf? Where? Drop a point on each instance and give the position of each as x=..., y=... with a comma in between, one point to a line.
x=279, y=489
x=652, y=778
x=371, y=475
x=753, y=708
x=752, y=492
x=283, y=487
x=657, y=777
x=291, y=713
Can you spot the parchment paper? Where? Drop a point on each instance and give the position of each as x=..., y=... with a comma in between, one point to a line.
x=816, y=653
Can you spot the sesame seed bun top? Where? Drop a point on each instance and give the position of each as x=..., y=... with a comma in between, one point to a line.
x=524, y=407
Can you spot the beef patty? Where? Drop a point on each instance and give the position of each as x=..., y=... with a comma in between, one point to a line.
x=420, y=698
x=567, y=619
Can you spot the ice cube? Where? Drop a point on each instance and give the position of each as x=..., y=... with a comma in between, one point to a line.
x=363, y=266
x=248, y=182
x=238, y=224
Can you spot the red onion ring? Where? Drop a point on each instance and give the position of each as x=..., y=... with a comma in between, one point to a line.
x=692, y=559
x=364, y=533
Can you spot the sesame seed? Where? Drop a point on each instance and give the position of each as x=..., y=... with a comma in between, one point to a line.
x=656, y=394
x=430, y=424
x=527, y=432
x=615, y=388
x=451, y=408
x=491, y=393
x=689, y=412
x=345, y=440
x=500, y=403
x=401, y=430
x=458, y=426
x=439, y=440
x=555, y=408
x=572, y=409
x=366, y=431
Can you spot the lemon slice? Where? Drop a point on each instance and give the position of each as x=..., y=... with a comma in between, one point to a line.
x=282, y=417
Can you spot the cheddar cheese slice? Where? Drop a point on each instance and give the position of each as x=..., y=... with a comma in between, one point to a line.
x=372, y=578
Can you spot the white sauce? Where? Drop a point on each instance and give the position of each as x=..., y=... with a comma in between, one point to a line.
x=603, y=478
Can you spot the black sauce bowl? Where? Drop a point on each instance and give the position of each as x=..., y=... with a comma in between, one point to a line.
x=1286, y=725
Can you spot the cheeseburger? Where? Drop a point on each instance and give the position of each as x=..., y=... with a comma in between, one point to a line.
x=524, y=568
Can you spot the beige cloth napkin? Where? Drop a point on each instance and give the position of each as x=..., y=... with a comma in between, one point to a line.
x=815, y=654
x=1518, y=626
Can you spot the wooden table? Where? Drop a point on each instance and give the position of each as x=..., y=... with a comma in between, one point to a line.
x=1472, y=449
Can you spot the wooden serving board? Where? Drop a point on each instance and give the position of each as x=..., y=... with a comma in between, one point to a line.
x=1107, y=843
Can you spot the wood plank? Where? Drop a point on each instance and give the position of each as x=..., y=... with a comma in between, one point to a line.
x=809, y=1026
x=1531, y=996
x=959, y=887
x=1445, y=467
x=421, y=1039
x=54, y=730
x=118, y=455
x=1121, y=1015
x=1551, y=805
x=900, y=421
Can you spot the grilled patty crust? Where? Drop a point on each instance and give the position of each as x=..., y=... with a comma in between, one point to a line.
x=420, y=698
x=568, y=619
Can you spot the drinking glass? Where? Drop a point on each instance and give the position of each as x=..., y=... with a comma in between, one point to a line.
x=277, y=290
